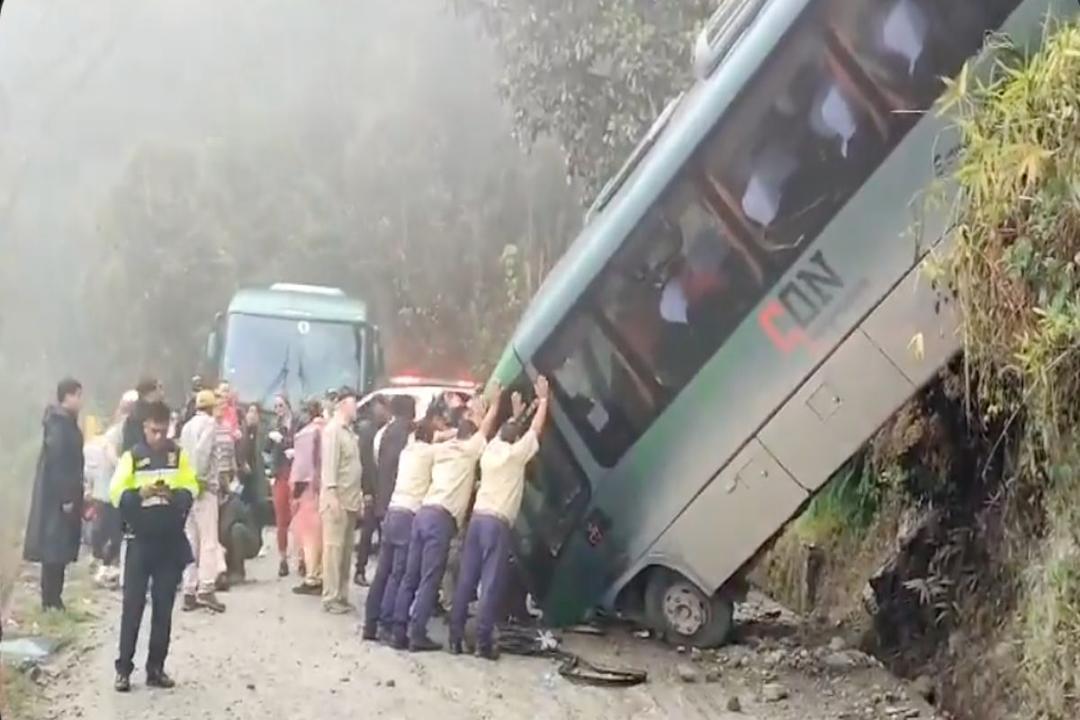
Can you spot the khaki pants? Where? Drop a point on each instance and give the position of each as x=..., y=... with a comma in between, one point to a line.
x=202, y=533
x=338, y=531
x=312, y=554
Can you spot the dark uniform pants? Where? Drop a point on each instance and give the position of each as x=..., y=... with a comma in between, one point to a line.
x=393, y=557
x=369, y=523
x=143, y=571
x=484, y=561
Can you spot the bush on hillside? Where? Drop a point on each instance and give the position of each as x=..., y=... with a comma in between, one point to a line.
x=1015, y=265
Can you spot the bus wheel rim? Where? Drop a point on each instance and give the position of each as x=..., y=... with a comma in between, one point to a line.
x=684, y=609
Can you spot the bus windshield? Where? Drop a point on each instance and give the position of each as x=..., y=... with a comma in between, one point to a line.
x=556, y=494
x=264, y=356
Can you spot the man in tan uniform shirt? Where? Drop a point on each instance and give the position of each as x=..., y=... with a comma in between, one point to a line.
x=341, y=500
x=437, y=521
x=487, y=543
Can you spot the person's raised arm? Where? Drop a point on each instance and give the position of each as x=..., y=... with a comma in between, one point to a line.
x=543, y=395
x=487, y=424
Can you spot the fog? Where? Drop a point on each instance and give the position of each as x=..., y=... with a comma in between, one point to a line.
x=157, y=155
x=87, y=88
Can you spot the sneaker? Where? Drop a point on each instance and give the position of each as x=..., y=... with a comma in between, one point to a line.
x=283, y=569
x=190, y=603
x=370, y=633
x=158, y=679
x=210, y=602
x=335, y=607
x=455, y=647
x=423, y=644
x=122, y=683
x=305, y=589
x=398, y=641
x=385, y=635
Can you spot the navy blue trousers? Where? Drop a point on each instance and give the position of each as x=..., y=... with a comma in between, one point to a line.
x=484, y=560
x=393, y=558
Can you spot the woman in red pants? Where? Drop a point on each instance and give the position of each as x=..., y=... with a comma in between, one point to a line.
x=280, y=441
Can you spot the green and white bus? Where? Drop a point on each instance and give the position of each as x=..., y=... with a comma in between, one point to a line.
x=745, y=304
x=296, y=340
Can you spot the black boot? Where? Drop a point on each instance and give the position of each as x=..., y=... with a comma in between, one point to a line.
x=423, y=644
x=487, y=652
x=158, y=679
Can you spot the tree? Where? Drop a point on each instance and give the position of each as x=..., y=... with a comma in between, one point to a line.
x=593, y=74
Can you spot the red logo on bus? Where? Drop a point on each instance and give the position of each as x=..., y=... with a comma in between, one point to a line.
x=786, y=318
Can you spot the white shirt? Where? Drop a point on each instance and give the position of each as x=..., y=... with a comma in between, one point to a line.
x=502, y=476
x=453, y=473
x=414, y=475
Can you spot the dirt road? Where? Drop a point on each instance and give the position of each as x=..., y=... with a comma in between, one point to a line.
x=274, y=656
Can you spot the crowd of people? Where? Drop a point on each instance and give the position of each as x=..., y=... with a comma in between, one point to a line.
x=176, y=496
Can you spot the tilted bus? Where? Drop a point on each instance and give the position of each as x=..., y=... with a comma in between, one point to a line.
x=745, y=305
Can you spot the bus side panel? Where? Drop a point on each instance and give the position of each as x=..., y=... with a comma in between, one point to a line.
x=916, y=327
x=737, y=513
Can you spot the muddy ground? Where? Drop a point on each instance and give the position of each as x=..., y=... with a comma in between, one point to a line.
x=275, y=655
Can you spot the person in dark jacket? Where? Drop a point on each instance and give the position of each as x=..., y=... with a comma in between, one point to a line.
x=377, y=416
x=53, y=529
x=149, y=391
x=247, y=451
x=154, y=488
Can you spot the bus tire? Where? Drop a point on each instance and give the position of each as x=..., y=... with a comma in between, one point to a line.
x=683, y=614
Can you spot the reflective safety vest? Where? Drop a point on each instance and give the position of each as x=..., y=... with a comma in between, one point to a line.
x=142, y=467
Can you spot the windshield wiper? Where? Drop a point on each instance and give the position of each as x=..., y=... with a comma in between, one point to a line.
x=281, y=378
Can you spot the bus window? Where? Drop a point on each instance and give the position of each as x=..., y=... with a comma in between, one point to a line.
x=906, y=46
x=677, y=288
x=799, y=141
x=608, y=401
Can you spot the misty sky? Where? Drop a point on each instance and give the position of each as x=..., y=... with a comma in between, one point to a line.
x=81, y=84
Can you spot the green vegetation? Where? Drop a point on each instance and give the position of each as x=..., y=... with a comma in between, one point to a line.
x=1015, y=265
x=848, y=505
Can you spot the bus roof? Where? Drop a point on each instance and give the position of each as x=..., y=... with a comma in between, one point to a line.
x=696, y=114
x=298, y=303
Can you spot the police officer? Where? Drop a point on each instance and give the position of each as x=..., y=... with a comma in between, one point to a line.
x=154, y=487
